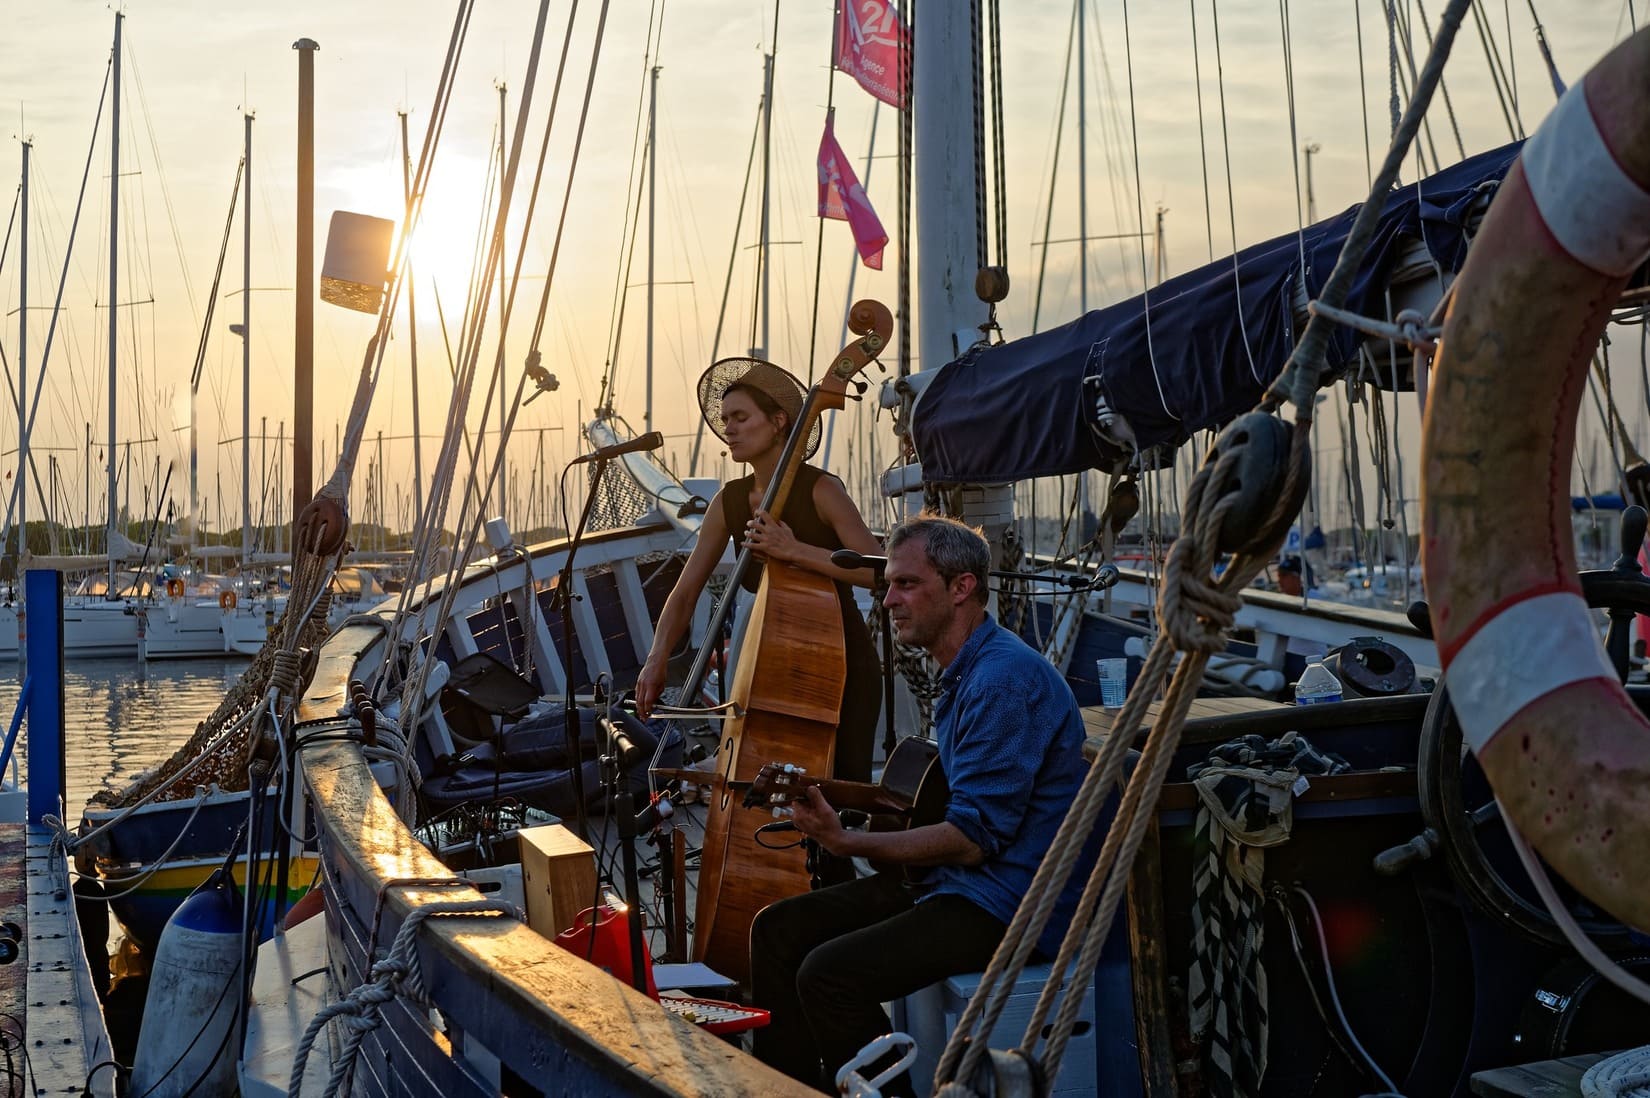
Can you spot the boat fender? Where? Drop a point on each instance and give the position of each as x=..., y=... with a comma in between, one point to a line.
x=1564, y=748
x=189, y=1016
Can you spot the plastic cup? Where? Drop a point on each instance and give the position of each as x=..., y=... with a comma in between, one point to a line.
x=1114, y=681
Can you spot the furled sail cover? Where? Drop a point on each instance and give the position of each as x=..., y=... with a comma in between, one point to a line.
x=1216, y=337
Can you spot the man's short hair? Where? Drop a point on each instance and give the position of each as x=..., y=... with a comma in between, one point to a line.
x=951, y=547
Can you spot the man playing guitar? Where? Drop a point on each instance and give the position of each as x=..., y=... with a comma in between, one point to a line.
x=1011, y=746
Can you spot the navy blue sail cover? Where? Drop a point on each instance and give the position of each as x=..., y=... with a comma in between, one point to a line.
x=1216, y=337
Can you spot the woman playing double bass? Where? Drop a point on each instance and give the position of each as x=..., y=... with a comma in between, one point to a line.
x=752, y=406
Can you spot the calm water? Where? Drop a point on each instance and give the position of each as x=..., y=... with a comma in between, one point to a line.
x=121, y=717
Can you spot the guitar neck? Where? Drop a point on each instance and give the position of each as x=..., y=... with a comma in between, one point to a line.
x=861, y=796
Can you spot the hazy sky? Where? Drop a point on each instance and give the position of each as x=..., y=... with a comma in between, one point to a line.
x=192, y=67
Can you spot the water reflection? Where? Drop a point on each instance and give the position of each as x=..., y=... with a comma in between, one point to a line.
x=121, y=718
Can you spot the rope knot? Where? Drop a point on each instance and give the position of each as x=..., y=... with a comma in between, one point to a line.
x=283, y=676
x=1196, y=611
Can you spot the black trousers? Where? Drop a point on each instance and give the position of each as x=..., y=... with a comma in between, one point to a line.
x=823, y=963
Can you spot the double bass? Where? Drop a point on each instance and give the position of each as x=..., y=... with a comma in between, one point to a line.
x=786, y=688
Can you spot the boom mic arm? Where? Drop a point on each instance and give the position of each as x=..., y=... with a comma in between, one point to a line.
x=650, y=441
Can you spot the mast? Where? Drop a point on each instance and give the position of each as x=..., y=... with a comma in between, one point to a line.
x=412, y=337
x=246, y=349
x=943, y=136
x=1082, y=170
x=114, y=301
x=764, y=260
x=652, y=172
x=22, y=411
x=498, y=366
x=23, y=373
x=303, y=351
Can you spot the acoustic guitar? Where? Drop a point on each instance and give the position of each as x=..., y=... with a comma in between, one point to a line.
x=913, y=788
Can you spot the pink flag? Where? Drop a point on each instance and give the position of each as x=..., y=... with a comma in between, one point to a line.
x=843, y=199
x=871, y=41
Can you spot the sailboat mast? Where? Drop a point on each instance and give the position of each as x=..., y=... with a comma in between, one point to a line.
x=765, y=260
x=23, y=373
x=943, y=136
x=1082, y=166
x=246, y=349
x=652, y=172
x=412, y=339
x=303, y=315
x=498, y=366
x=21, y=485
x=114, y=299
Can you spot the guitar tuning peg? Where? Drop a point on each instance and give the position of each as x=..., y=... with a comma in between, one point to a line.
x=861, y=386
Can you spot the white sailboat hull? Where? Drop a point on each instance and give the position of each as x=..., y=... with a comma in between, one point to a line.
x=179, y=628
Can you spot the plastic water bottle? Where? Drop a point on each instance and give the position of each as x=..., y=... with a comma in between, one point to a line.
x=1317, y=684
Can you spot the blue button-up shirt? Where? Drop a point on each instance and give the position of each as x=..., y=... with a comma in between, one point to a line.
x=1011, y=744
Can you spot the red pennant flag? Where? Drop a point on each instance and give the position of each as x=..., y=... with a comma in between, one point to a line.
x=871, y=40
x=841, y=198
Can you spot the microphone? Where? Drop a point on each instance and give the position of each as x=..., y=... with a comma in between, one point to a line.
x=847, y=558
x=650, y=441
x=626, y=750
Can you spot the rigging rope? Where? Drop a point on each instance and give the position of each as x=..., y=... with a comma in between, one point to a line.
x=1195, y=612
x=819, y=247
x=1140, y=217
x=1363, y=89
x=413, y=691
x=1300, y=377
x=621, y=276
x=1231, y=195
x=1202, y=138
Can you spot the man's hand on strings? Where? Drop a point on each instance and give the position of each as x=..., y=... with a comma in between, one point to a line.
x=770, y=538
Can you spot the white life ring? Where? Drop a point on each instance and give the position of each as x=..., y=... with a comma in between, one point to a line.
x=1565, y=750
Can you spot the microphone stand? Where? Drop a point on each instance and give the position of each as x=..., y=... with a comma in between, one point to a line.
x=564, y=601
x=617, y=753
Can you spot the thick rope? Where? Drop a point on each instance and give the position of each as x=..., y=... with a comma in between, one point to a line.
x=1196, y=611
x=398, y=974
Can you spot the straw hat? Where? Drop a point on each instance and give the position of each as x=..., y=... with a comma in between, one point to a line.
x=785, y=390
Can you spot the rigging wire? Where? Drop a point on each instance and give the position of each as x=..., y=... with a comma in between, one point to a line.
x=1363, y=90
x=1498, y=74
x=1202, y=137
x=1294, y=136
x=1443, y=86
x=1053, y=176
x=819, y=246
x=727, y=282
x=615, y=323
x=906, y=62
x=1231, y=198
x=1140, y=219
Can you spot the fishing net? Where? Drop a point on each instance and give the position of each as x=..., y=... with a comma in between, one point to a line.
x=227, y=766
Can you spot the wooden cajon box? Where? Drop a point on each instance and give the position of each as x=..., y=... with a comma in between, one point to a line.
x=558, y=874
